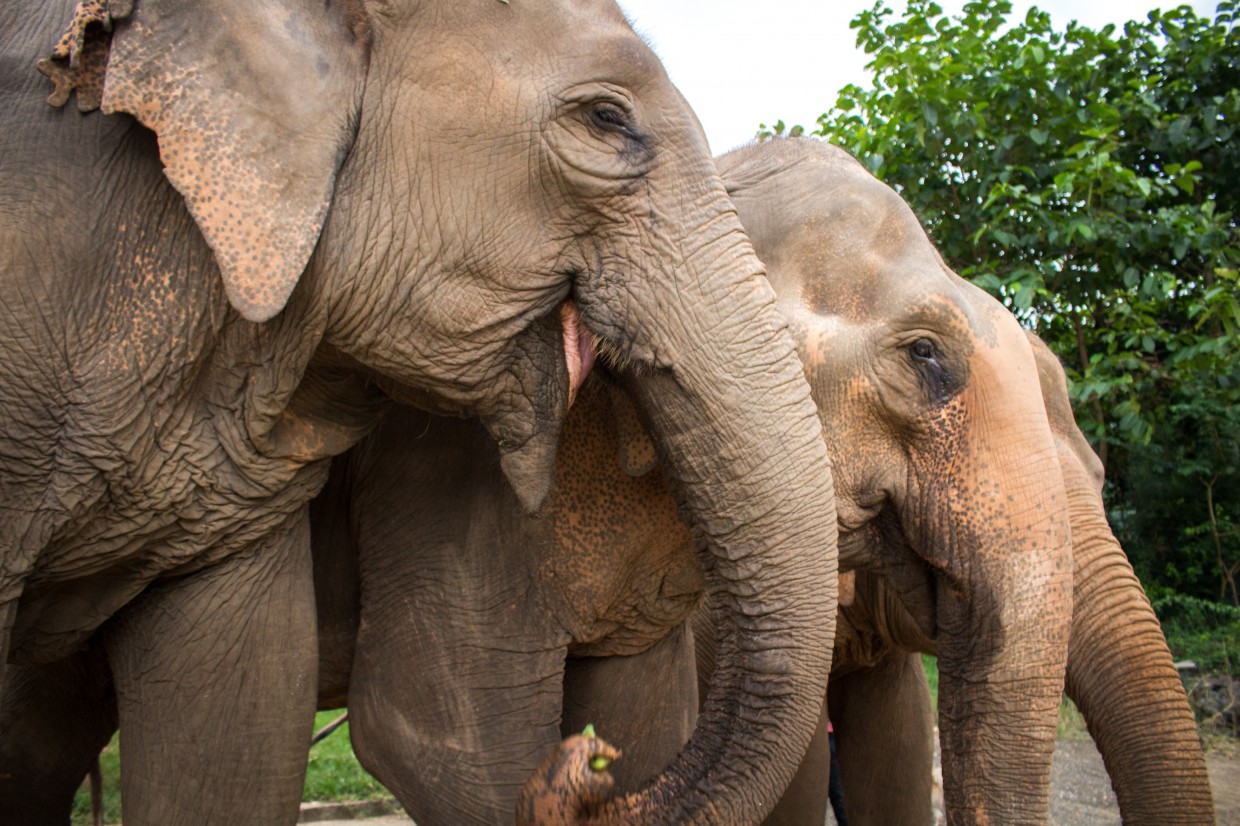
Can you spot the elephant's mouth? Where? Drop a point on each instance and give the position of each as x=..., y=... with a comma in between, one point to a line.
x=580, y=348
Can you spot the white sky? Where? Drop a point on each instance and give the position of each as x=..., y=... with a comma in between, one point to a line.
x=745, y=62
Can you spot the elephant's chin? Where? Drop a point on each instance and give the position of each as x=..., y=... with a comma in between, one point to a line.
x=530, y=468
x=529, y=463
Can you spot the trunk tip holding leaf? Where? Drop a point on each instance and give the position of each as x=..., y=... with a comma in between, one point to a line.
x=570, y=782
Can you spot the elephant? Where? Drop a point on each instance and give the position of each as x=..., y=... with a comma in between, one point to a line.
x=877, y=695
x=289, y=216
x=1119, y=673
x=946, y=474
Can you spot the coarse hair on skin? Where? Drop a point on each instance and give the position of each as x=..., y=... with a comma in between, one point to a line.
x=615, y=358
x=641, y=35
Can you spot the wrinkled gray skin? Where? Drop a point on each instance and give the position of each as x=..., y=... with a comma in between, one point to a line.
x=926, y=456
x=321, y=206
x=947, y=476
x=927, y=443
x=585, y=612
x=1119, y=673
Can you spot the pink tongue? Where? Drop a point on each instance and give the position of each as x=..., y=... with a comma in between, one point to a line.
x=578, y=348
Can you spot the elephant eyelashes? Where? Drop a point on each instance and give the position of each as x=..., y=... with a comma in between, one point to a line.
x=611, y=118
x=939, y=382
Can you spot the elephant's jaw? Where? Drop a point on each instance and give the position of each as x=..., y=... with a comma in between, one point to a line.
x=527, y=450
x=580, y=348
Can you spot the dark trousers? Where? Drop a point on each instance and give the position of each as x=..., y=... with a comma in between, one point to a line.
x=835, y=789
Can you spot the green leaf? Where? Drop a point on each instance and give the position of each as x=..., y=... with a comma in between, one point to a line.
x=1039, y=136
x=1025, y=297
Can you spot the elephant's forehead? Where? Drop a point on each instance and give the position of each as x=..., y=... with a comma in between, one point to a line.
x=540, y=43
x=860, y=272
x=860, y=329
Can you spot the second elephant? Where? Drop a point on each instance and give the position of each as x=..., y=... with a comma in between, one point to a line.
x=1119, y=672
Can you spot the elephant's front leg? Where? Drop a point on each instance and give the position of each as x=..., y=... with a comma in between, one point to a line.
x=645, y=704
x=215, y=678
x=455, y=694
x=884, y=732
x=54, y=720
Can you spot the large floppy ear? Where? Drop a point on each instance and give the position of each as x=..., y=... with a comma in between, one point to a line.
x=254, y=102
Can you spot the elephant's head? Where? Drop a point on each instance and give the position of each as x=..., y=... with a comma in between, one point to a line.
x=945, y=466
x=468, y=199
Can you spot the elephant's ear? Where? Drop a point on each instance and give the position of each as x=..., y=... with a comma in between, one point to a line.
x=254, y=103
x=636, y=449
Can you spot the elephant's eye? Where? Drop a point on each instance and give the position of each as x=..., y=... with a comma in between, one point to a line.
x=611, y=118
x=922, y=349
x=933, y=370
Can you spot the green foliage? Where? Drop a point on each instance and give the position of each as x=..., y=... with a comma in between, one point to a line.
x=931, y=664
x=110, y=768
x=1203, y=631
x=1088, y=179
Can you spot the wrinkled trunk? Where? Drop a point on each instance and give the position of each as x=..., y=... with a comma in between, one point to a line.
x=1121, y=676
x=739, y=435
x=1001, y=659
x=1004, y=598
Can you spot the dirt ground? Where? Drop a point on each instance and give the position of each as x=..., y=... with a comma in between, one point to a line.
x=1080, y=792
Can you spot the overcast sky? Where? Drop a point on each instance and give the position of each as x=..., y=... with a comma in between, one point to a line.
x=745, y=62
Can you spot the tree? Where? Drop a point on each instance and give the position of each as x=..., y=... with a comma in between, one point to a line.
x=1089, y=179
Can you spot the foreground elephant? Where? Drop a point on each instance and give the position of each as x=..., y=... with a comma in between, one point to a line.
x=320, y=206
x=931, y=397
x=440, y=645
x=1119, y=673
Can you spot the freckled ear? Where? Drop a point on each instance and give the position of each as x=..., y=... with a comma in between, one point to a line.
x=254, y=103
x=636, y=449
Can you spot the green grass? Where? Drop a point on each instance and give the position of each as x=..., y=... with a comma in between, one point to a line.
x=332, y=774
x=931, y=665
